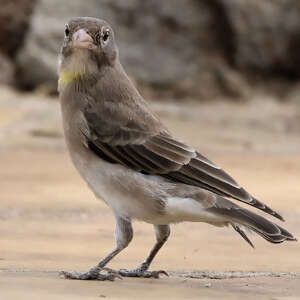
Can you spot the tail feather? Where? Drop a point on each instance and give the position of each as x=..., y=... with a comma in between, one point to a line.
x=268, y=230
x=238, y=216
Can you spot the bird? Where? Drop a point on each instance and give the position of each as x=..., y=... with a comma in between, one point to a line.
x=132, y=161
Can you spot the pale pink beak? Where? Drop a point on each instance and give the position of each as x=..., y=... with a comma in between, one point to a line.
x=82, y=40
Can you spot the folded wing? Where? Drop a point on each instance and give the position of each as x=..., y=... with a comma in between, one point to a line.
x=157, y=152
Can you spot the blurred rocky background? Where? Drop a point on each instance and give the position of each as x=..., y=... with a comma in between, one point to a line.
x=225, y=70
x=200, y=49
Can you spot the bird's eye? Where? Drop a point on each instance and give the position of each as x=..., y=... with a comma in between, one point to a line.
x=67, y=30
x=105, y=36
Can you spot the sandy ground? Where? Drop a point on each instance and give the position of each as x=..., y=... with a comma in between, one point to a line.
x=50, y=221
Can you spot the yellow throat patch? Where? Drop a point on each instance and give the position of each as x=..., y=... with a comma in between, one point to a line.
x=66, y=76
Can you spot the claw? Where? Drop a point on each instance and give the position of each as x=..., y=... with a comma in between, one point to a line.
x=163, y=273
x=62, y=274
x=160, y=272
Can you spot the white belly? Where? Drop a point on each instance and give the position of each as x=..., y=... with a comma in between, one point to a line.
x=126, y=192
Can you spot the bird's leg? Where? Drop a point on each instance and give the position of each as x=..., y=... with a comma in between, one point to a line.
x=123, y=235
x=162, y=233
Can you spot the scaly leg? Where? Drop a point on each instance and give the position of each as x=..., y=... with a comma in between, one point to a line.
x=162, y=233
x=123, y=235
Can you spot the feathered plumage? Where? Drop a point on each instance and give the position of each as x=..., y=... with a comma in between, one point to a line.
x=132, y=161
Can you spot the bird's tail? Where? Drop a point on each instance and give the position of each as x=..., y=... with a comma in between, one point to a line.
x=240, y=217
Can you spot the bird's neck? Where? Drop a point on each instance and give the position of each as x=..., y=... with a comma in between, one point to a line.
x=77, y=66
x=67, y=76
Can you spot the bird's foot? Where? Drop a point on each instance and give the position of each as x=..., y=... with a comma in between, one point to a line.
x=94, y=273
x=142, y=272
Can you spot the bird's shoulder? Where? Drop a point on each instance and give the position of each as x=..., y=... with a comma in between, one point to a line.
x=113, y=107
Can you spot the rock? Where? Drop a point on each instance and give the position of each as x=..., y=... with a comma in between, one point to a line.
x=265, y=35
x=14, y=24
x=294, y=95
x=7, y=70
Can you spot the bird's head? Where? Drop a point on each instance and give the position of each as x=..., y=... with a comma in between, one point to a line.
x=87, y=47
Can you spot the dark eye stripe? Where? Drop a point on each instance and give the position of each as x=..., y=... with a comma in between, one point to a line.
x=67, y=30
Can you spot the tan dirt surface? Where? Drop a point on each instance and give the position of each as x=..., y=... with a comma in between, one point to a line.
x=50, y=221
